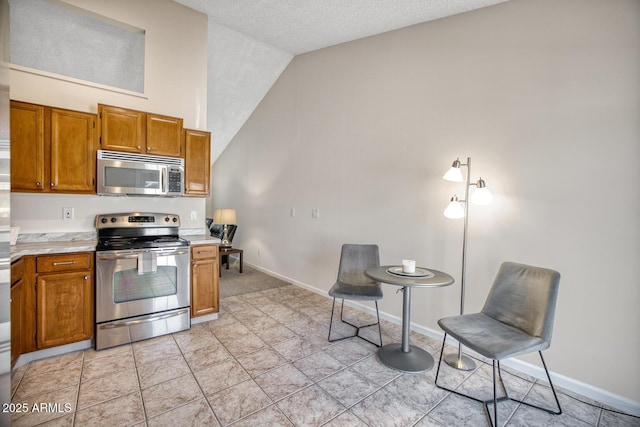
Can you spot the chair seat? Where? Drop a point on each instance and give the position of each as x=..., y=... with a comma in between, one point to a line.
x=368, y=292
x=490, y=337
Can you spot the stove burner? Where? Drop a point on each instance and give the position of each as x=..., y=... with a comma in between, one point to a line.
x=125, y=231
x=111, y=244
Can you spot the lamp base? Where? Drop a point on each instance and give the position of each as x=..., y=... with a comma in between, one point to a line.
x=460, y=361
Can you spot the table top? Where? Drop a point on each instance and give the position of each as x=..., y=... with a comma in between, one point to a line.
x=230, y=250
x=438, y=279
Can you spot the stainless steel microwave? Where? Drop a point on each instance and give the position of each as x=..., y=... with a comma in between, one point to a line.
x=121, y=174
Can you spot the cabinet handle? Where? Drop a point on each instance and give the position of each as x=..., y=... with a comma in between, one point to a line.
x=139, y=147
x=148, y=148
x=86, y=277
x=38, y=184
x=53, y=184
x=64, y=263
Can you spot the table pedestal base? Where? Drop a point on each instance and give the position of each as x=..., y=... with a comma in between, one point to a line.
x=415, y=360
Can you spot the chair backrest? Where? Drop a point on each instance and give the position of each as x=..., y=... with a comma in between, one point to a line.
x=217, y=230
x=524, y=297
x=354, y=260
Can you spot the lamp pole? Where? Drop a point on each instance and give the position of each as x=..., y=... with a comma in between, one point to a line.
x=458, y=360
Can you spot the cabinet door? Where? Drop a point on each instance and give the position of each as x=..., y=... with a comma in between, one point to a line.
x=204, y=289
x=197, y=154
x=16, y=321
x=121, y=129
x=73, y=151
x=64, y=308
x=27, y=147
x=164, y=135
x=204, y=280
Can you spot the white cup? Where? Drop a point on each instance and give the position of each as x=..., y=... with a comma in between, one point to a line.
x=408, y=266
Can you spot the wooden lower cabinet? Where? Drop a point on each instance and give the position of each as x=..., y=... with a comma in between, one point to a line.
x=57, y=300
x=204, y=280
x=17, y=281
x=64, y=308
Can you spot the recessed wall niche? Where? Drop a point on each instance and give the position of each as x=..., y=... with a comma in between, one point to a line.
x=62, y=40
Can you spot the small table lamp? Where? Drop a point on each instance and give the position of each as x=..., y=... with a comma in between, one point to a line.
x=225, y=217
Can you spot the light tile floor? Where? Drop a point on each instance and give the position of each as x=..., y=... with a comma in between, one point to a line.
x=266, y=361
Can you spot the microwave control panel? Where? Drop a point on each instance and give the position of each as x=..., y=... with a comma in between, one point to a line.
x=175, y=180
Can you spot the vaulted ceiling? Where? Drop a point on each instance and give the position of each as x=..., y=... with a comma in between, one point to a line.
x=251, y=42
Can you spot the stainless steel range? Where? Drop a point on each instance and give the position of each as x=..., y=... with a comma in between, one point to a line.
x=142, y=278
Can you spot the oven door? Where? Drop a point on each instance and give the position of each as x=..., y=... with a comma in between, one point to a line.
x=132, y=283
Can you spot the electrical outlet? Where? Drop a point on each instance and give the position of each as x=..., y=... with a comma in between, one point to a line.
x=194, y=215
x=292, y=212
x=315, y=213
x=67, y=214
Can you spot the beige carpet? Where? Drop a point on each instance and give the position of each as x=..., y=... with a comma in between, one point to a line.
x=250, y=280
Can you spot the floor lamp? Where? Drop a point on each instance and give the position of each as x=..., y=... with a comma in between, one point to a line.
x=481, y=196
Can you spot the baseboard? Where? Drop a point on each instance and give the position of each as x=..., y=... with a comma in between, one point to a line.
x=202, y=319
x=53, y=351
x=605, y=397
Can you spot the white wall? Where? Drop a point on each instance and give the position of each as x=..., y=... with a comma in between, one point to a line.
x=175, y=85
x=543, y=95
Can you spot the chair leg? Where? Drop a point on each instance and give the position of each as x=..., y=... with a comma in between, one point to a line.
x=357, y=334
x=497, y=399
x=555, y=395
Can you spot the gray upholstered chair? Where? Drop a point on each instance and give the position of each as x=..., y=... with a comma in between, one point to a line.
x=517, y=318
x=353, y=284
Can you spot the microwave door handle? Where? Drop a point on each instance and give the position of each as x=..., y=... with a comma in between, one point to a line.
x=163, y=190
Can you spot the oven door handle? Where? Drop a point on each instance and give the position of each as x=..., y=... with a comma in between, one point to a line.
x=111, y=257
x=145, y=319
x=176, y=252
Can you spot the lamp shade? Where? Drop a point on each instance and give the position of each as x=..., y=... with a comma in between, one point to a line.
x=454, y=210
x=454, y=173
x=481, y=196
x=224, y=216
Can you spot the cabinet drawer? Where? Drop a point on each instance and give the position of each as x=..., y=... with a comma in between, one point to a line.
x=204, y=251
x=17, y=270
x=70, y=262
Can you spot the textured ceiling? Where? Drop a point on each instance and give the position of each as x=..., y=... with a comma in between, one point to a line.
x=251, y=42
x=299, y=26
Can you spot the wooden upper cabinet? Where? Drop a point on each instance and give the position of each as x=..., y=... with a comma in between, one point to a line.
x=122, y=129
x=197, y=163
x=73, y=151
x=164, y=135
x=53, y=149
x=138, y=132
x=27, y=147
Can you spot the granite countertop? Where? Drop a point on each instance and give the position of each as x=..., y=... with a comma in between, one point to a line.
x=52, y=247
x=200, y=239
x=41, y=246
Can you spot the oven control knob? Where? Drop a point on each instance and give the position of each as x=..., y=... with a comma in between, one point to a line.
x=103, y=220
x=166, y=219
x=175, y=219
x=113, y=219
